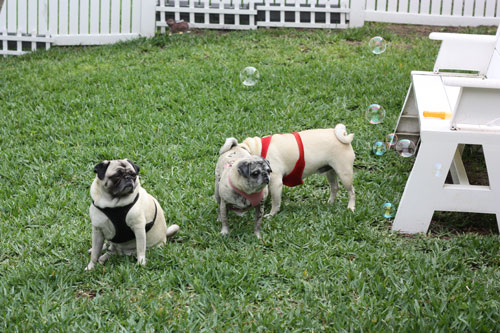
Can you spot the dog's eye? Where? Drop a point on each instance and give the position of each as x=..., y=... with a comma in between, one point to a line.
x=255, y=173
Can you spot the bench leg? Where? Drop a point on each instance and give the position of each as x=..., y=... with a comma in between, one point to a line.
x=424, y=186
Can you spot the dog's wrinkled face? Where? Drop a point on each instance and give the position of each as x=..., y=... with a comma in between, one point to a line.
x=118, y=177
x=255, y=171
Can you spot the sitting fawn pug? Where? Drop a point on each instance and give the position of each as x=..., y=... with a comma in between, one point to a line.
x=298, y=155
x=124, y=214
x=240, y=183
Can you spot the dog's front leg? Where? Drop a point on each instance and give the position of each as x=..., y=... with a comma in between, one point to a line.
x=275, y=187
x=97, y=243
x=259, y=212
x=223, y=217
x=140, y=240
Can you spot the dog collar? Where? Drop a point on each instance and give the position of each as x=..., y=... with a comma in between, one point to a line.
x=254, y=198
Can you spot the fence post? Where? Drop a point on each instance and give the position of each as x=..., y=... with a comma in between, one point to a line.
x=148, y=18
x=357, y=13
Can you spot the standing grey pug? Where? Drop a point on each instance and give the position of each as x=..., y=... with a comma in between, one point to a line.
x=240, y=183
x=124, y=214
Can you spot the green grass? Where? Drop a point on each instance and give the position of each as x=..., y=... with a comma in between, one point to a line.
x=168, y=104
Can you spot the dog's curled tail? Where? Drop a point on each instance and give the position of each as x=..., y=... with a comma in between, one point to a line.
x=172, y=230
x=230, y=143
x=341, y=133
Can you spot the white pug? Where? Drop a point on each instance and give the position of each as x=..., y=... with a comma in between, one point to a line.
x=240, y=183
x=124, y=214
x=298, y=155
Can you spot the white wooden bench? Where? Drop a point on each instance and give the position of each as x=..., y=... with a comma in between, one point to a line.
x=468, y=94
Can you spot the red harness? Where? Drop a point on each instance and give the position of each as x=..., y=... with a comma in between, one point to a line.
x=294, y=178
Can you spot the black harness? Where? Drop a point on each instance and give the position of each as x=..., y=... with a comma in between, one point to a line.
x=117, y=216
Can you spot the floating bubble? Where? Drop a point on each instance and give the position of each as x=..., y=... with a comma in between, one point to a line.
x=249, y=76
x=377, y=45
x=375, y=114
x=437, y=169
x=388, y=210
x=379, y=148
x=406, y=148
x=390, y=140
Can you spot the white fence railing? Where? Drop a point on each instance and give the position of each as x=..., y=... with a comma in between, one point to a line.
x=24, y=24
x=434, y=12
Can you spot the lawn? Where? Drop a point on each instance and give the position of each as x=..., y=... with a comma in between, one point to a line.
x=168, y=104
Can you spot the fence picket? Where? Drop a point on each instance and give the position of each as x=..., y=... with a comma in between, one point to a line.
x=490, y=9
x=468, y=8
x=84, y=17
x=63, y=17
x=32, y=17
x=458, y=7
x=125, y=24
x=94, y=17
x=73, y=17
x=105, y=12
x=425, y=6
x=446, y=7
x=53, y=16
x=436, y=7
x=115, y=16
x=392, y=6
x=479, y=10
x=370, y=4
x=403, y=6
x=11, y=16
x=413, y=7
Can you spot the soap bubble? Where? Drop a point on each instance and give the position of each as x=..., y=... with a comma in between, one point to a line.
x=249, y=76
x=388, y=210
x=377, y=45
x=379, y=148
x=390, y=140
x=375, y=114
x=406, y=148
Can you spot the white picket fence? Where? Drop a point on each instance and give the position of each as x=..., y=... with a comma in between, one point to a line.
x=434, y=12
x=25, y=24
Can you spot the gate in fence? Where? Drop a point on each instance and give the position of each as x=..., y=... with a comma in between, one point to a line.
x=25, y=25
x=250, y=14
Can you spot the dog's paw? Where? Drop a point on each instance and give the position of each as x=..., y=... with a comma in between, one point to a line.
x=104, y=258
x=257, y=234
x=141, y=261
x=224, y=231
x=90, y=266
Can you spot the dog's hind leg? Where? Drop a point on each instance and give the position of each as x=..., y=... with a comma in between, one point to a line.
x=276, y=188
x=346, y=177
x=223, y=218
x=259, y=212
x=109, y=253
x=331, y=175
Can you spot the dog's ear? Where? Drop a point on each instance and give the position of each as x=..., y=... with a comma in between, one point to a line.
x=101, y=168
x=244, y=169
x=268, y=164
x=135, y=166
